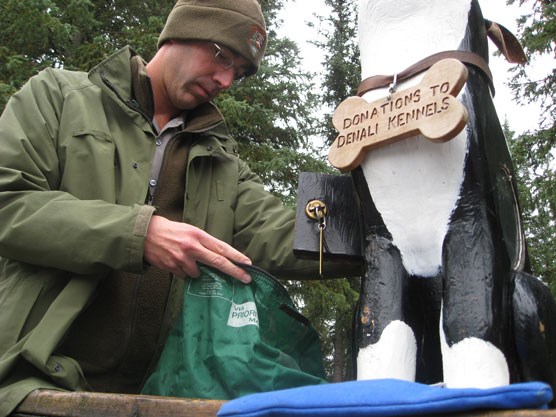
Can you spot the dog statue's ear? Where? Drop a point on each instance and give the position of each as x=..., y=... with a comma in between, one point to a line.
x=506, y=42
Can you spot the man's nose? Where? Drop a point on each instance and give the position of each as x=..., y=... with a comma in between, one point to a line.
x=225, y=78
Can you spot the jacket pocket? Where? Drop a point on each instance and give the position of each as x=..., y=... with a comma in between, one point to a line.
x=88, y=159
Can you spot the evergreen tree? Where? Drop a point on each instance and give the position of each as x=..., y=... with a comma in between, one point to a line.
x=534, y=151
x=330, y=304
x=341, y=79
x=72, y=34
x=272, y=115
x=342, y=68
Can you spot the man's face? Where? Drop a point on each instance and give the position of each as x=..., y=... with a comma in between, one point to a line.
x=195, y=72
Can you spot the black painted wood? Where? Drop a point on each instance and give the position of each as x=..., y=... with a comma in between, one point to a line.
x=342, y=236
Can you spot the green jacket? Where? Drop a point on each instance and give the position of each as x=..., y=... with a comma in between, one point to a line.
x=75, y=159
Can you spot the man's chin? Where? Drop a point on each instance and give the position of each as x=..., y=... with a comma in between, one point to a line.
x=192, y=101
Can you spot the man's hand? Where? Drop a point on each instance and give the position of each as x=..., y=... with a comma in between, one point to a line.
x=176, y=247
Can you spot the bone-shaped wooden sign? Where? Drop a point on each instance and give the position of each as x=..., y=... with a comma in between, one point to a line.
x=430, y=108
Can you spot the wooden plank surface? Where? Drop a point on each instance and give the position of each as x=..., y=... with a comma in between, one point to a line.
x=47, y=403
x=50, y=403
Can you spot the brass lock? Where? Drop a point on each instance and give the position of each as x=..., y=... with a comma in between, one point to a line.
x=313, y=208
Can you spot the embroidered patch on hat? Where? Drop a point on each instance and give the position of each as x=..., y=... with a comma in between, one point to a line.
x=256, y=40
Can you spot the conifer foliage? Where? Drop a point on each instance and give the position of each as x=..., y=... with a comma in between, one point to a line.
x=534, y=151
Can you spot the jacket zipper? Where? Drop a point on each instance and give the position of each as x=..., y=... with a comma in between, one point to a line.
x=131, y=104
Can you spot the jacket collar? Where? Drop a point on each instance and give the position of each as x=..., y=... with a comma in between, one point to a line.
x=133, y=89
x=112, y=74
x=141, y=85
x=113, y=77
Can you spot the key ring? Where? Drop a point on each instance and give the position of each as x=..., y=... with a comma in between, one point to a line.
x=321, y=215
x=392, y=88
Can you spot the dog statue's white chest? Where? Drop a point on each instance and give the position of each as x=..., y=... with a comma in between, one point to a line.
x=414, y=183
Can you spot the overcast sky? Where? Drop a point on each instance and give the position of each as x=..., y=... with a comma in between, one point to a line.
x=521, y=118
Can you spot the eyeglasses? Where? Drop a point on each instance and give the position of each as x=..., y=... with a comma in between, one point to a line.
x=226, y=61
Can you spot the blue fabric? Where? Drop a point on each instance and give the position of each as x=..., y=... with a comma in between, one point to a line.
x=385, y=397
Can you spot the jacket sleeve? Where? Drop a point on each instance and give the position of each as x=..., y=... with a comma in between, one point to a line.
x=42, y=225
x=264, y=230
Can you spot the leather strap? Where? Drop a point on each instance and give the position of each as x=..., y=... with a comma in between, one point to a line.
x=468, y=58
x=506, y=42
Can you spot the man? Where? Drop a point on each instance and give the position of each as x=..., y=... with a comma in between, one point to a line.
x=114, y=183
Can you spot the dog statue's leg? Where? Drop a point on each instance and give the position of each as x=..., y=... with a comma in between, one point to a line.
x=387, y=346
x=475, y=327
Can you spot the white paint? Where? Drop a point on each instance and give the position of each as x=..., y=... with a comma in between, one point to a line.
x=473, y=363
x=394, y=35
x=414, y=183
x=393, y=356
x=415, y=186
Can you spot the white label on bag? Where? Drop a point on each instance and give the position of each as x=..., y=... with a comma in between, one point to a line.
x=243, y=315
x=211, y=287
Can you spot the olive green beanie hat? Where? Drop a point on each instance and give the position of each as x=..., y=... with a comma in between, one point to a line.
x=237, y=24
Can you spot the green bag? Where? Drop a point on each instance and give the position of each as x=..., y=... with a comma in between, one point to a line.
x=234, y=339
